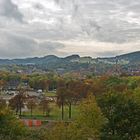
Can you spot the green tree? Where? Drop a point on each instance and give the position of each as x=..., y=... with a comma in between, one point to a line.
x=122, y=113
x=88, y=124
x=90, y=119
x=10, y=127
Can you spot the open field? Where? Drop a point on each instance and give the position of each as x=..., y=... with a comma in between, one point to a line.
x=50, y=93
x=55, y=113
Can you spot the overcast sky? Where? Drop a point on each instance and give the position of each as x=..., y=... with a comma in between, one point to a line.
x=63, y=27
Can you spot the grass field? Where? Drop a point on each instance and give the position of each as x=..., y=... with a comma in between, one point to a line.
x=55, y=113
x=50, y=93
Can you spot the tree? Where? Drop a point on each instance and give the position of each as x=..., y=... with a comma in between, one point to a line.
x=58, y=132
x=44, y=105
x=2, y=103
x=71, y=96
x=10, y=127
x=122, y=113
x=31, y=104
x=76, y=91
x=17, y=102
x=71, y=92
x=88, y=124
x=61, y=99
x=39, y=82
x=90, y=120
x=69, y=101
x=2, y=84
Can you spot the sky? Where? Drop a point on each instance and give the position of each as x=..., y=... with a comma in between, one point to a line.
x=96, y=28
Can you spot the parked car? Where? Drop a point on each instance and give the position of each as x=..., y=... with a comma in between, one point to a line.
x=40, y=91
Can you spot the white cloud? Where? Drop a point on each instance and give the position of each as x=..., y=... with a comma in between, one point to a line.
x=98, y=49
x=87, y=27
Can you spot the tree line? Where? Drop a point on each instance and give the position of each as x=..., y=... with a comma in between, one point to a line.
x=108, y=109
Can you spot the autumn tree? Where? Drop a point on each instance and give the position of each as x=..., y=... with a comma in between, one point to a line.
x=61, y=99
x=87, y=125
x=44, y=105
x=2, y=84
x=2, y=103
x=31, y=104
x=71, y=92
x=71, y=95
x=39, y=82
x=17, y=102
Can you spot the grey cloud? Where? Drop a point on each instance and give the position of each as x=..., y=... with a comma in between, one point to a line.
x=38, y=6
x=109, y=53
x=51, y=47
x=104, y=21
x=12, y=45
x=10, y=10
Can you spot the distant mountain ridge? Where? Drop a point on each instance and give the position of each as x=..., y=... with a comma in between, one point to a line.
x=131, y=57
x=77, y=63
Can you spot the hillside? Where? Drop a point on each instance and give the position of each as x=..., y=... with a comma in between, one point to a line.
x=76, y=63
x=131, y=57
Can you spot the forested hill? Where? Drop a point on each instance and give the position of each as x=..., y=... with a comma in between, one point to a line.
x=131, y=57
x=77, y=63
